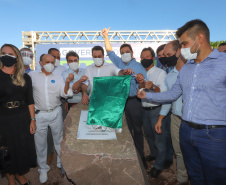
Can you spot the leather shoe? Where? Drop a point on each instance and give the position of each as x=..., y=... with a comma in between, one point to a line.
x=178, y=183
x=43, y=177
x=154, y=173
x=167, y=164
x=149, y=158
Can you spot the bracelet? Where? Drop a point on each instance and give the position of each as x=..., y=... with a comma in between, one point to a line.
x=33, y=119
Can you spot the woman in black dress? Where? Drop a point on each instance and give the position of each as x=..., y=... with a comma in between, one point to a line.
x=17, y=115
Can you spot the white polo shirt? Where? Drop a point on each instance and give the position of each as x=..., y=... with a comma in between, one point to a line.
x=105, y=70
x=47, y=90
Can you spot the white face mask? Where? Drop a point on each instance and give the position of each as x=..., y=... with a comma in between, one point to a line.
x=186, y=52
x=74, y=65
x=126, y=57
x=98, y=61
x=27, y=60
x=57, y=62
x=49, y=67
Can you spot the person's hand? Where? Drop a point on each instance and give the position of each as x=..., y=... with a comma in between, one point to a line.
x=70, y=78
x=32, y=127
x=105, y=32
x=148, y=84
x=66, y=106
x=83, y=79
x=78, y=90
x=140, y=78
x=141, y=94
x=158, y=127
x=128, y=71
x=85, y=99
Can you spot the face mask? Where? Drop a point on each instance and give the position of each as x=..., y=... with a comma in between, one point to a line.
x=57, y=62
x=27, y=60
x=186, y=52
x=98, y=61
x=163, y=61
x=74, y=65
x=146, y=62
x=126, y=57
x=49, y=67
x=8, y=60
x=171, y=61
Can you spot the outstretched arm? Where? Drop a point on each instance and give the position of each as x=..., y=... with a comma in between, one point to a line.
x=106, y=39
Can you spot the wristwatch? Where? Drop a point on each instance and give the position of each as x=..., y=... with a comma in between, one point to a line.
x=153, y=87
x=33, y=119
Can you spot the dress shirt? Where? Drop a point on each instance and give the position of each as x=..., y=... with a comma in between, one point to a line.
x=59, y=69
x=47, y=90
x=157, y=76
x=176, y=105
x=81, y=72
x=203, y=89
x=105, y=70
x=134, y=65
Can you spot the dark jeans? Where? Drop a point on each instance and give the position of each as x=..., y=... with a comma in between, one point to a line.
x=169, y=146
x=133, y=111
x=156, y=142
x=204, y=152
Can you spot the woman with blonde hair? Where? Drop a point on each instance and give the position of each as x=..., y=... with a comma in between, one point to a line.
x=17, y=115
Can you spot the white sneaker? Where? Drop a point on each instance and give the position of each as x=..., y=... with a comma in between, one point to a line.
x=43, y=177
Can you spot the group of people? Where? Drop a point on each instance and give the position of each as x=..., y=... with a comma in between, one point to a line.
x=179, y=107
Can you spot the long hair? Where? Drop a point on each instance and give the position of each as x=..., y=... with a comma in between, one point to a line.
x=18, y=76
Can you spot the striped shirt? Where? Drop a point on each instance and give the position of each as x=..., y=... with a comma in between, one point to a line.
x=203, y=89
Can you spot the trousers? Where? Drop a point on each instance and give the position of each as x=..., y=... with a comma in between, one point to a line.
x=54, y=120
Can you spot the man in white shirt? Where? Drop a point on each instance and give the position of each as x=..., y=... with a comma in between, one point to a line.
x=99, y=69
x=156, y=83
x=48, y=88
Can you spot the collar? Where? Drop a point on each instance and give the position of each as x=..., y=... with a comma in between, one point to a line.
x=152, y=69
x=175, y=70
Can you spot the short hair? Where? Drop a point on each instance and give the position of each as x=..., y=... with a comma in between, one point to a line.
x=160, y=48
x=41, y=57
x=22, y=49
x=175, y=45
x=97, y=48
x=72, y=53
x=53, y=49
x=126, y=45
x=222, y=44
x=194, y=27
x=149, y=49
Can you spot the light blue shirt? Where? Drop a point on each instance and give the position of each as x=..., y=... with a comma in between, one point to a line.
x=176, y=105
x=81, y=72
x=203, y=89
x=134, y=65
x=167, y=69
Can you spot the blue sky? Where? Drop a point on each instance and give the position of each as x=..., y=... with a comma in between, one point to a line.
x=83, y=15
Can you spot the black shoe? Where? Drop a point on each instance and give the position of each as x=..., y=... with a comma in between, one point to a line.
x=144, y=163
x=167, y=164
x=149, y=158
x=154, y=173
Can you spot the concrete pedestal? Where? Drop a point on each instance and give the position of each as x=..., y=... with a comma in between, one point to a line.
x=95, y=162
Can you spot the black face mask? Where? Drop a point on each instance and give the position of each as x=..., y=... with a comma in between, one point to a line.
x=162, y=60
x=171, y=61
x=146, y=62
x=8, y=60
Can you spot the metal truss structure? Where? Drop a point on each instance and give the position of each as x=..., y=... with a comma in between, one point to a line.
x=30, y=39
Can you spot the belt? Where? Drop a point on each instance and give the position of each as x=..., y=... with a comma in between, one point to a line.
x=50, y=110
x=151, y=108
x=199, y=126
x=131, y=97
x=179, y=117
x=12, y=104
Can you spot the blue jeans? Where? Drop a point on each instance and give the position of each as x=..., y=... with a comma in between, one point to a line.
x=204, y=152
x=156, y=142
